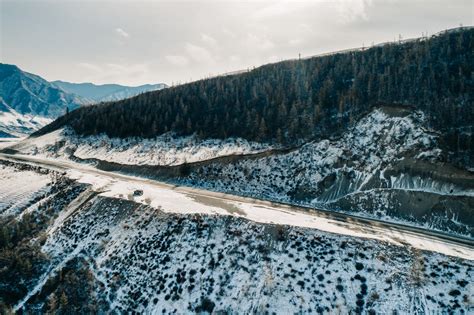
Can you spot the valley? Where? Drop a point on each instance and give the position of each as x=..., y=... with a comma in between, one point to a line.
x=273, y=255
x=341, y=183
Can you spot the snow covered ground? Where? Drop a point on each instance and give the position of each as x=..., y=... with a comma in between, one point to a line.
x=383, y=167
x=166, y=149
x=175, y=251
x=21, y=190
x=18, y=125
x=7, y=142
x=213, y=263
x=184, y=200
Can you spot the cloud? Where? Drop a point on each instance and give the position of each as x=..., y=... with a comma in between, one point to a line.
x=198, y=53
x=346, y=10
x=207, y=39
x=122, y=33
x=280, y=8
x=177, y=60
x=234, y=58
x=259, y=43
x=90, y=66
x=228, y=33
x=194, y=53
x=352, y=10
x=116, y=72
x=295, y=42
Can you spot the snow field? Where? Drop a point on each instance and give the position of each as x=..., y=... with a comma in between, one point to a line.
x=21, y=189
x=166, y=257
x=154, y=262
x=167, y=149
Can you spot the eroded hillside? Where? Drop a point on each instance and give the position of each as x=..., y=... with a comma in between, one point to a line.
x=388, y=166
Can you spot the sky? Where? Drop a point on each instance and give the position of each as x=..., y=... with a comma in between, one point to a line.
x=139, y=42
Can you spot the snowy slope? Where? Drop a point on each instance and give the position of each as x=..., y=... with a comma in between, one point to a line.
x=28, y=102
x=166, y=149
x=15, y=124
x=180, y=262
x=155, y=259
x=364, y=152
x=389, y=165
x=20, y=188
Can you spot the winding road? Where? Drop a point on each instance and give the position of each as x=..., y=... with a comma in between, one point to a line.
x=175, y=199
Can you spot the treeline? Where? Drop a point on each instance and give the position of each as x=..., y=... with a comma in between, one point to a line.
x=293, y=101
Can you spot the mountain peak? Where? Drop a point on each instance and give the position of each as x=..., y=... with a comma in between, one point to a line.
x=25, y=96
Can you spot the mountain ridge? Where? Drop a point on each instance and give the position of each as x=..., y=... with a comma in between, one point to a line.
x=106, y=92
x=29, y=102
x=28, y=93
x=300, y=100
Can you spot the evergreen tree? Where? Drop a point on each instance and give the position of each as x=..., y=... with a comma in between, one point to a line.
x=311, y=98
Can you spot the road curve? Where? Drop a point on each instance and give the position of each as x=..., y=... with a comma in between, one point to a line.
x=398, y=233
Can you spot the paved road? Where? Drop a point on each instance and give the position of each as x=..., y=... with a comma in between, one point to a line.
x=372, y=228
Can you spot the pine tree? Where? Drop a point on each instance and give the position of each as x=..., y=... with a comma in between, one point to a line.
x=63, y=301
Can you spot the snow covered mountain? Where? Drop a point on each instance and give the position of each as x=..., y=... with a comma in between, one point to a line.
x=28, y=102
x=14, y=124
x=83, y=241
x=106, y=92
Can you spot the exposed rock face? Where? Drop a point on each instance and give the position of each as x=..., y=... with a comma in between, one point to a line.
x=389, y=165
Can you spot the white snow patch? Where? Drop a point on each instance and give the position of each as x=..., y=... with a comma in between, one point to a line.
x=18, y=188
x=167, y=149
x=20, y=125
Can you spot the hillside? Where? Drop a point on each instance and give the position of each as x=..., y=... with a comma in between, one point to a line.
x=296, y=101
x=14, y=124
x=75, y=243
x=28, y=102
x=309, y=157
x=388, y=166
x=389, y=162
x=27, y=93
x=106, y=92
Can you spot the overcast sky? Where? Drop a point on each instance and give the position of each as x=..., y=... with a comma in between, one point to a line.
x=137, y=42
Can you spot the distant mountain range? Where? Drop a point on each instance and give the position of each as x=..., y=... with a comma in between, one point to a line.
x=106, y=92
x=29, y=102
x=27, y=93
